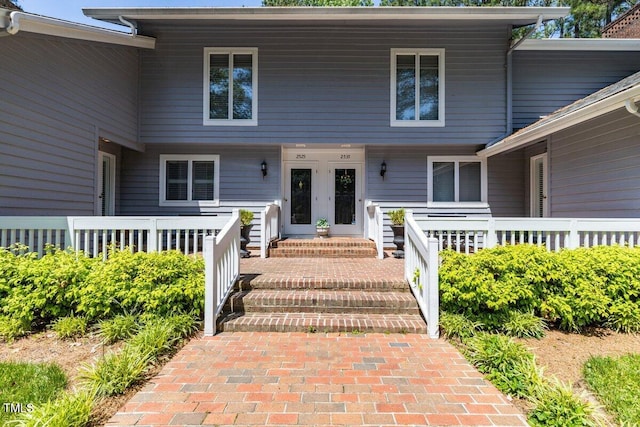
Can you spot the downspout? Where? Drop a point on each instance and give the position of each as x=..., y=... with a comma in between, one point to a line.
x=509, y=81
x=13, y=24
x=134, y=30
x=632, y=107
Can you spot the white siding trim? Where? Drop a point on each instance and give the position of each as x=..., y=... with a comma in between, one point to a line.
x=441, y=92
x=206, y=121
x=190, y=158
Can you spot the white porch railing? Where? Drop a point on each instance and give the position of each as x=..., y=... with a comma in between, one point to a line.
x=94, y=234
x=470, y=234
x=222, y=269
x=421, y=271
x=375, y=230
x=270, y=231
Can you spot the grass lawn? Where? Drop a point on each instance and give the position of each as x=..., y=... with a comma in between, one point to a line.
x=23, y=386
x=616, y=381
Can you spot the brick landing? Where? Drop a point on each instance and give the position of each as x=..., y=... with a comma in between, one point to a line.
x=257, y=379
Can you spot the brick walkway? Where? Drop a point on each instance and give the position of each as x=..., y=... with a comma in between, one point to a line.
x=332, y=379
x=318, y=379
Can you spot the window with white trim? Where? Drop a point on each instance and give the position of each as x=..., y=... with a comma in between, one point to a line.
x=457, y=179
x=231, y=86
x=417, y=87
x=189, y=180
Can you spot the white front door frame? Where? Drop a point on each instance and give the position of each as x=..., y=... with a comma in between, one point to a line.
x=325, y=161
x=106, y=184
x=539, y=184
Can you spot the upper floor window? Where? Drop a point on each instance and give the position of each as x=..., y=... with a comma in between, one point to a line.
x=417, y=87
x=457, y=179
x=231, y=86
x=189, y=180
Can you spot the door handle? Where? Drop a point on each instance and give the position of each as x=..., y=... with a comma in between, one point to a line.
x=286, y=200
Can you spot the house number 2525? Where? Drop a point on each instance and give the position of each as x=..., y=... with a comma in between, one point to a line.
x=345, y=156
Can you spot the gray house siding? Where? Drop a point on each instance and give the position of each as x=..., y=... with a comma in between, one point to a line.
x=58, y=95
x=241, y=181
x=324, y=84
x=545, y=81
x=594, y=168
x=506, y=180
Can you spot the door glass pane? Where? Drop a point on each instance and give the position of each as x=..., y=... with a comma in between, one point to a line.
x=202, y=184
x=106, y=183
x=300, y=196
x=443, y=182
x=242, y=86
x=219, y=86
x=176, y=185
x=428, y=87
x=405, y=87
x=469, y=182
x=345, y=196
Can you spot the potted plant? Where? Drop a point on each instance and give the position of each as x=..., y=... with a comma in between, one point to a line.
x=397, y=225
x=322, y=228
x=246, y=217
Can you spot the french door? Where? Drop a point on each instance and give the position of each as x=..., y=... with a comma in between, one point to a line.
x=301, y=198
x=106, y=184
x=539, y=200
x=345, y=200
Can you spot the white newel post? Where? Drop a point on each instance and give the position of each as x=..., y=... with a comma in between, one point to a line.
x=431, y=292
x=408, y=251
x=492, y=234
x=152, y=243
x=574, y=235
x=210, y=286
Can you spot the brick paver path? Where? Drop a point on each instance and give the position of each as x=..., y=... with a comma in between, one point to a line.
x=318, y=379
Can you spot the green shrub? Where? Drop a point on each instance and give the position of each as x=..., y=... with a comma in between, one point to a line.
x=524, y=325
x=558, y=406
x=456, y=325
x=624, y=316
x=507, y=364
x=69, y=410
x=42, y=290
x=246, y=216
x=397, y=216
x=162, y=283
x=616, y=382
x=116, y=372
x=70, y=326
x=155, y=339
x=121, y=327
x=11, y=328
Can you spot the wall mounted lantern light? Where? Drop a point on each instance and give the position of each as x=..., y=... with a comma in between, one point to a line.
x=263, y=168
x=383, y=169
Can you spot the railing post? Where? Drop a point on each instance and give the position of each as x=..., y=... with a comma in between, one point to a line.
x=408, y=217
x=574, y=235
x=431, y=292
x=152, y=238
x=69, y=235
x=210, y=286
x=264, y=237
x=492, y=234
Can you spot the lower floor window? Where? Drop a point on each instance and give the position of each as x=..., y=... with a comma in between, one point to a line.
x=189, y=180
x=457, y=179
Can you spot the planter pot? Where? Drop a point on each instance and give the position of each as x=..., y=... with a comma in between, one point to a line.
x=398, y=240
x=244, y=239
x=322, y=232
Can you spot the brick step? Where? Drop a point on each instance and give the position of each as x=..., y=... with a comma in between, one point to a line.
x=333, y=242
x=323, y=252
x=323, y=301
x=284, y=282
x=323, y=322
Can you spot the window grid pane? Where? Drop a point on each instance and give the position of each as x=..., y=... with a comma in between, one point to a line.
x=242, y=86
x=428, y=87
x=219, y=86
x=444, y=182
x=203, y=180
x=469, y=181
x=405, y=87
x=176, y=185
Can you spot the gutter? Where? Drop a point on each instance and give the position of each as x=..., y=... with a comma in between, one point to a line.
x=632, y=107
x=17, y=21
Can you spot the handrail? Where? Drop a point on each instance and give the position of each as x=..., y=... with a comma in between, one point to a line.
x=375, y=230
x=421, y=271
x=222, y=269
x=470, y=234
x=270, y=231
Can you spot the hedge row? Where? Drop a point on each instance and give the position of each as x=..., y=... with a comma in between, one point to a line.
x=63, y=283
x=598, y=286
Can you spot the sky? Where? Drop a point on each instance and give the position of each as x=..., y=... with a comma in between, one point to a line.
x=71, y=10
